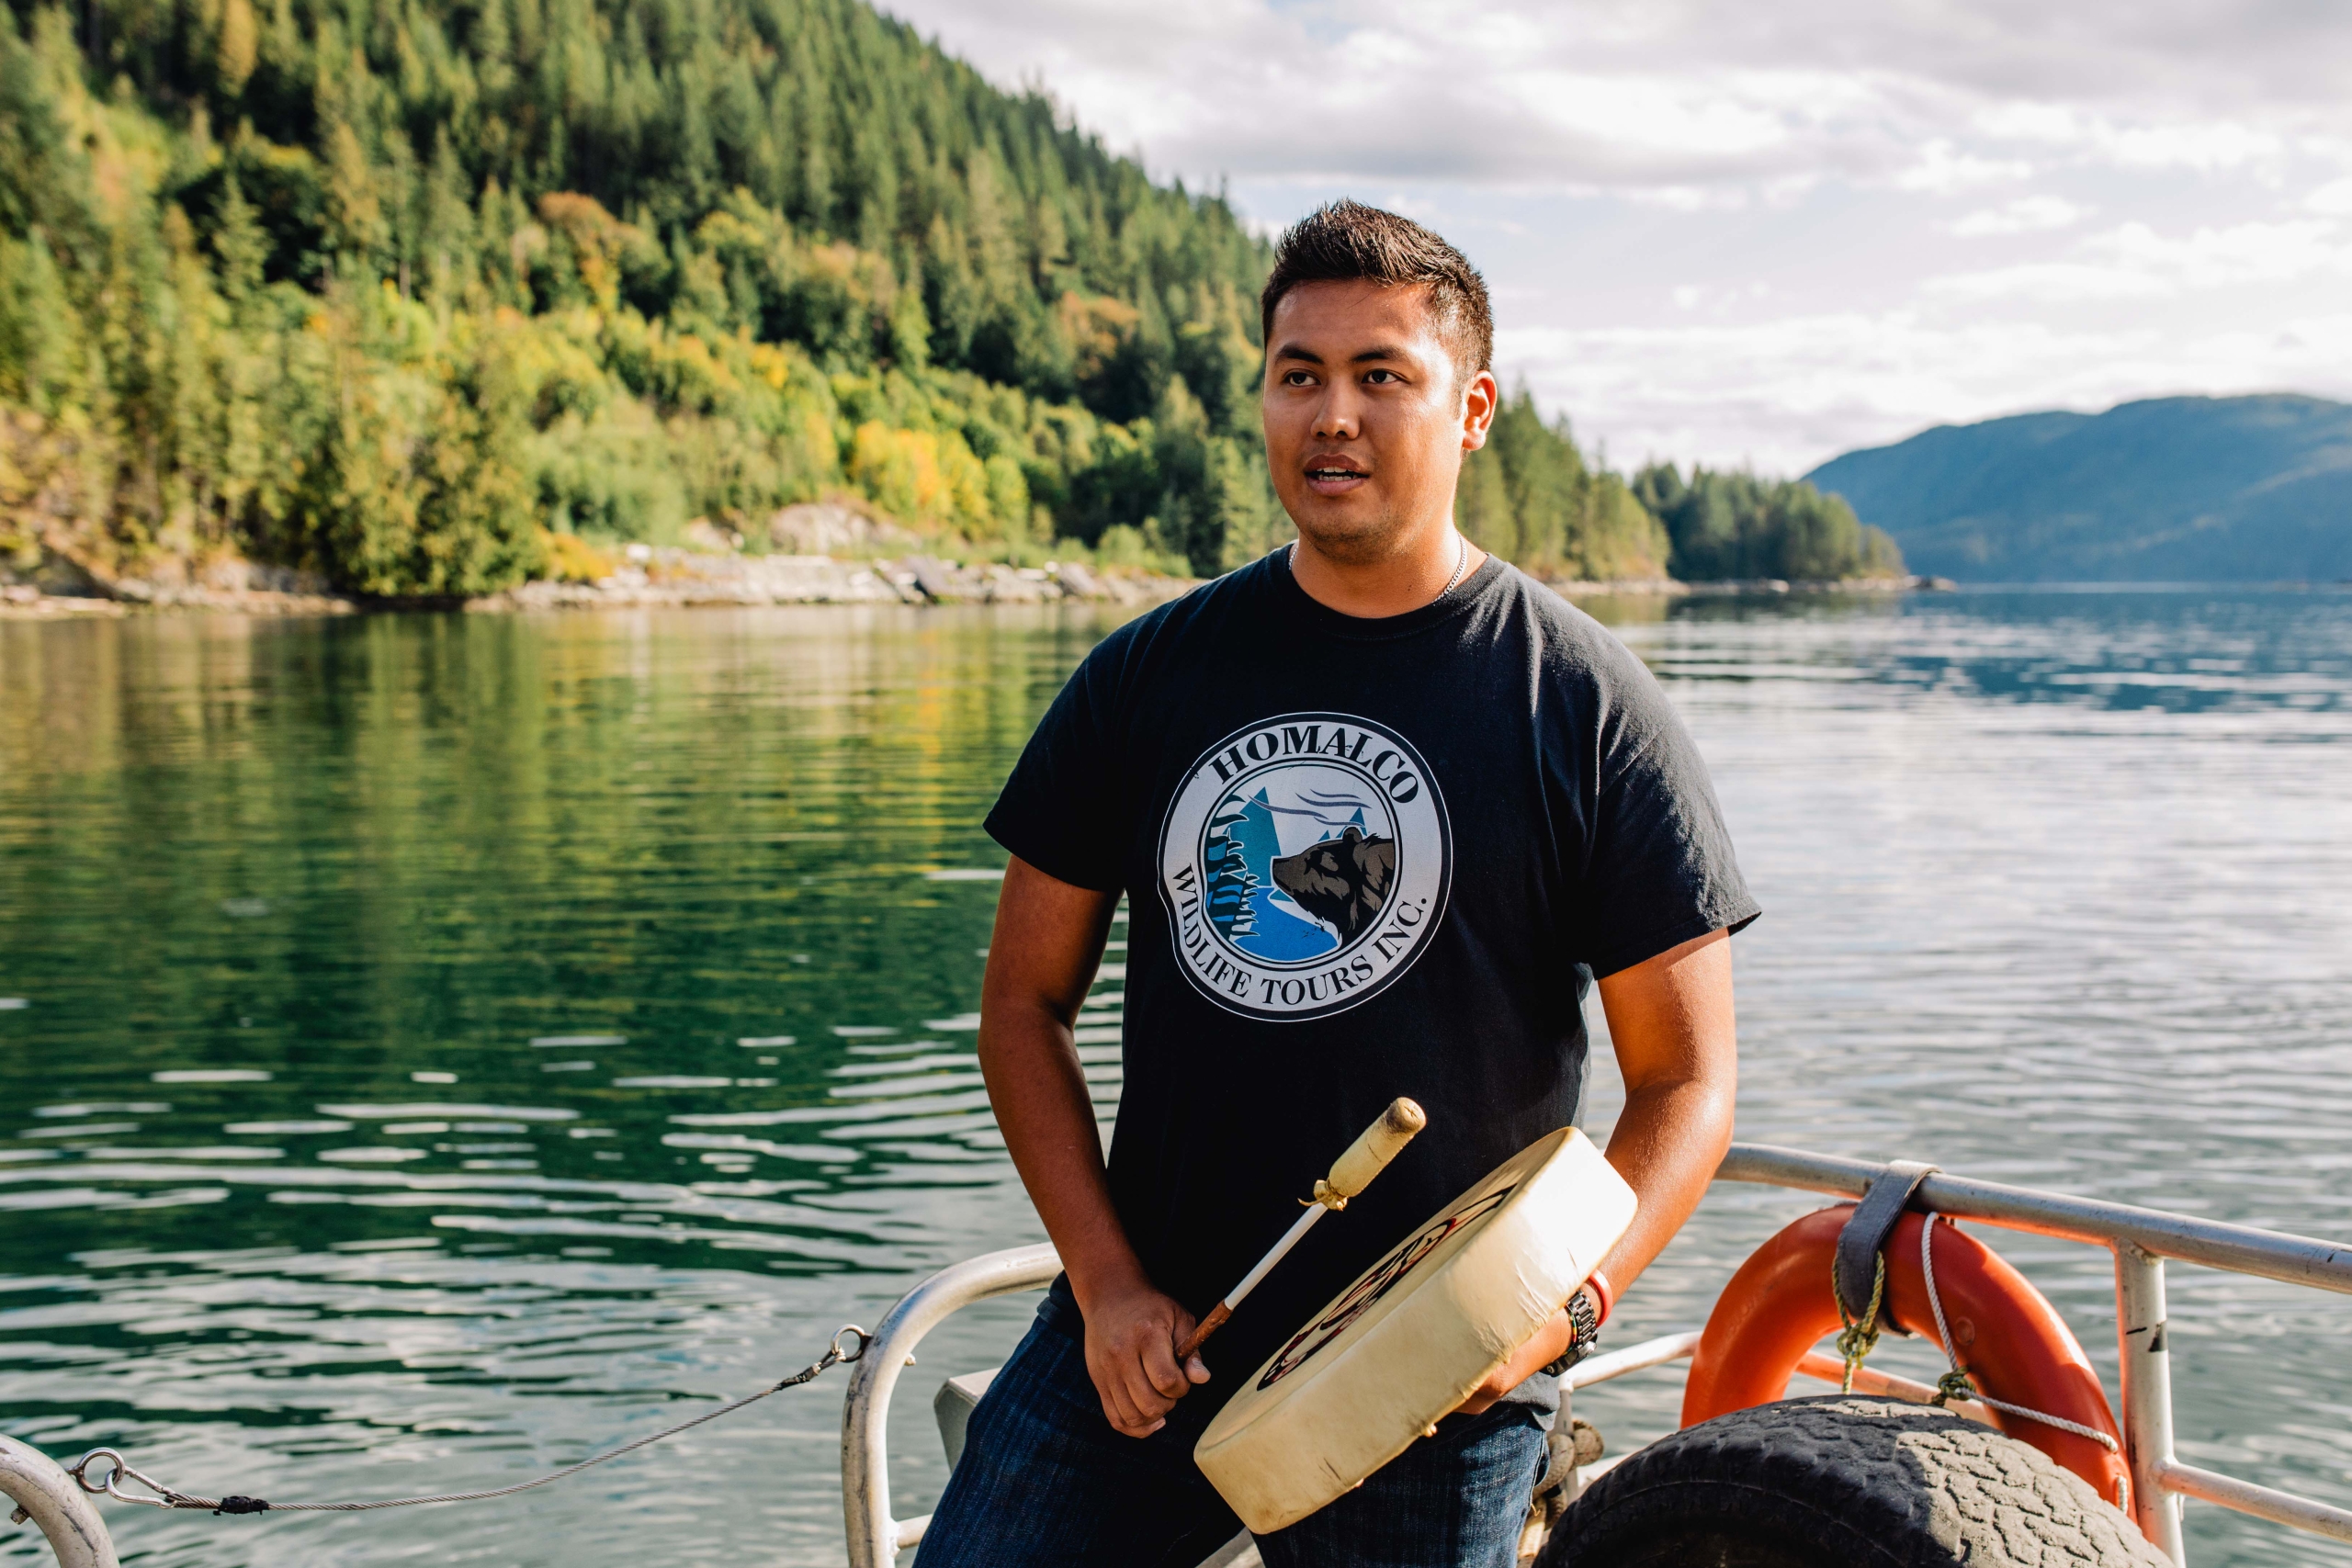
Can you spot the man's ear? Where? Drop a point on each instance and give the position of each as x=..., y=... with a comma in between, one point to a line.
x=1480, y=400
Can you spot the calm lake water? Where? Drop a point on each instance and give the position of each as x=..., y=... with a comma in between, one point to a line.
x=438, y=1048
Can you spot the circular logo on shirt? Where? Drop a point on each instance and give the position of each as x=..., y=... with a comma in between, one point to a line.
x=1303, y=861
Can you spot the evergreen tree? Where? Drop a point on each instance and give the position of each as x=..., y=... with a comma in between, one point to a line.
x=1731, y=527
x=454, y=272
x=1529, y=496
x=739, y=252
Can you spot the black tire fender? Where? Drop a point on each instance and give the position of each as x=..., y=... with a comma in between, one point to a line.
x=1843, y=1482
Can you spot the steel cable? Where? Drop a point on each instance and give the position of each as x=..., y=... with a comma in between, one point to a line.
x=166, y=1497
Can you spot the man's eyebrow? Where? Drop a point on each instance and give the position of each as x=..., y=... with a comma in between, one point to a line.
x=1367, y=357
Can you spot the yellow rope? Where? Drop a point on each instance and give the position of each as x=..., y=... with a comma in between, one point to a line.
x=1859, y=1339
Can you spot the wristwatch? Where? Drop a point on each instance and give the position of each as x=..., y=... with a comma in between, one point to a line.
x=1586, y=1310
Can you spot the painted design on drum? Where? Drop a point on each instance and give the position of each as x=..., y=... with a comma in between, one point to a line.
x=1377, y=1281
x=1304, y=861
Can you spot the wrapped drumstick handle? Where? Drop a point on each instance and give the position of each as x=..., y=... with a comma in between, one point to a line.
x=1350, y=1174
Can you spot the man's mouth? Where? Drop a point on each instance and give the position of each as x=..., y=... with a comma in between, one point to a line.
x=1333, y=479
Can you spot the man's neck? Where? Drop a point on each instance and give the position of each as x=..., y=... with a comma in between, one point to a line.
x=1391, y=585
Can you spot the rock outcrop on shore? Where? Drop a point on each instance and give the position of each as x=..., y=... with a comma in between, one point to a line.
x=665, y=576
x=649, y=577
x=1673, y=588
x=825, y=553
x=235, y=586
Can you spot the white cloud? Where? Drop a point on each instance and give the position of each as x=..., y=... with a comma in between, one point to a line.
x=2244, y=253
x=1672, y=92
x=2219, y=144
x=1808, y=386
x=2046, y=283
x=2199, y=143
x=2026, y=215
x=2334, y=198
x=2135, y=261
x=1718, y=229
x=1941, y=170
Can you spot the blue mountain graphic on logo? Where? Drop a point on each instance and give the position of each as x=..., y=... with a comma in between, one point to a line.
x=1243, y=903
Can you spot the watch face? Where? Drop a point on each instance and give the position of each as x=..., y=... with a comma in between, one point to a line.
x=1587, y=1319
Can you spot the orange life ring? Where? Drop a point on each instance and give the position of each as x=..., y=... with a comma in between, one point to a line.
x=2012, y=1341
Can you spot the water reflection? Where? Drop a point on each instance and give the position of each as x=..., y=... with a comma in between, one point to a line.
x=454, y=1044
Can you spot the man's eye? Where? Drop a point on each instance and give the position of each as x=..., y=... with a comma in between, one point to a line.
x=1297, y=379
x=1380, y=377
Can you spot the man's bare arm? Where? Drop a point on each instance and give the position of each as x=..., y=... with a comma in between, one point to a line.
x=1042, y=958
x=1672, y=1022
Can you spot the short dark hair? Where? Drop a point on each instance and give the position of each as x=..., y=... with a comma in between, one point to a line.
x=1346, y=242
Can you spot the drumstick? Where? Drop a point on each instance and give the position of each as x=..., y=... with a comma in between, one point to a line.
x=1350, y=1174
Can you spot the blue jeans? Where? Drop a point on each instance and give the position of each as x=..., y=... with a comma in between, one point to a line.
x=1045, y=1482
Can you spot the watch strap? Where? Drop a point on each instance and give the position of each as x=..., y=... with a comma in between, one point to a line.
x=1585, y=1315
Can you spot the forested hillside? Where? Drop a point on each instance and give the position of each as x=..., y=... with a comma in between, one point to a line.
x=1733, y=525
x=2204, y=490
x=1530, y=497
x=405, y=291
x=387, y=286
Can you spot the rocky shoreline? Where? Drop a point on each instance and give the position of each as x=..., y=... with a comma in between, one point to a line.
x=660, y=579
x=1673, y=588
x=830, y=552
x=673, y=579
x=680, y=577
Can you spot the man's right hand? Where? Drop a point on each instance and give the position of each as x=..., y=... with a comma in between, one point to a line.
x=1041, y=961
x=1131, y=1339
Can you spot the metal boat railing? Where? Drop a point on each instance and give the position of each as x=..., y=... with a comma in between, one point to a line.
x=44, y=1495
x=2141, y=1239
x=874, y=1536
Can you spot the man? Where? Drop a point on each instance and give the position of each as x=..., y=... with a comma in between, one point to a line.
x=1384, y=808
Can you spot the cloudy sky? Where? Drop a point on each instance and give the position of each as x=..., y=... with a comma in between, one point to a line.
x=1766, y=233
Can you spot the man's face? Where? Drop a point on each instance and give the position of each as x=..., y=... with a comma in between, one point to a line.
x=1366, y=416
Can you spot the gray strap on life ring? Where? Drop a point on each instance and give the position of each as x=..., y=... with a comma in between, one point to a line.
x=1864, y=1237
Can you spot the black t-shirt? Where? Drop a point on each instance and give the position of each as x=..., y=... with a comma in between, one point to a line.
x=1363, y=859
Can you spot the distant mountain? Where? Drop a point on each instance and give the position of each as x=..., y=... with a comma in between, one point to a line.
x=2219, y=490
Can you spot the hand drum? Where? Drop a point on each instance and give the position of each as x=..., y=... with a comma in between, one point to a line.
x=1416, y=1332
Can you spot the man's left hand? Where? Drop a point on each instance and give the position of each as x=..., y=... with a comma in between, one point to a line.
x=1671, y=1020
x=1532, y=1357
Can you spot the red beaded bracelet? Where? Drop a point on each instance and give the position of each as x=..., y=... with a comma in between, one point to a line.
x=1603, y=1296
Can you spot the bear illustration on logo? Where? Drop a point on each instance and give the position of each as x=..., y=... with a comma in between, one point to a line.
x=1304, y=864
x=1343, y=881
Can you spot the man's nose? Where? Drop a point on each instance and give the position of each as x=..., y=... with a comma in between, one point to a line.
x=1336, y=420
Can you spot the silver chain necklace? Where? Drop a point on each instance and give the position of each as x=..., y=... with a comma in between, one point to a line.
x=1461, y=563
